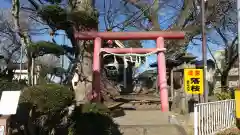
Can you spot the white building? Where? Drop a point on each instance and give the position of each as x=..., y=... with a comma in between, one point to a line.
x=20, y=74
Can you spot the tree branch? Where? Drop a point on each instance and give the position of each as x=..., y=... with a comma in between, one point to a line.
x=152, y=18
x=214, y=59
x=34, y=4
x=233, y=54
x=232, y=62
x=234, y=42
x=222, y=36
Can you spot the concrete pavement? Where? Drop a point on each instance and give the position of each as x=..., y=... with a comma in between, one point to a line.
x=149, y=123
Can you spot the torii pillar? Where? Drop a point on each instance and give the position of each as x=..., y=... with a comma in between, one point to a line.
x=158, y=36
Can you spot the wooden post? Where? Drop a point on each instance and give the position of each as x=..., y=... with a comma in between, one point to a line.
x=172, y=87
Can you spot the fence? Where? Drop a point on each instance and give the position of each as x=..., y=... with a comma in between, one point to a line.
x=212, y=117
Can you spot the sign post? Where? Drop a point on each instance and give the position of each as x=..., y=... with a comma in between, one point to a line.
x=193, y=81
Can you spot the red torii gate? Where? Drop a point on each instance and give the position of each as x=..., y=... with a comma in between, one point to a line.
x=158, y=36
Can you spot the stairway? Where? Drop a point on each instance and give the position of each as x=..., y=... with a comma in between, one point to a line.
x=149, y=123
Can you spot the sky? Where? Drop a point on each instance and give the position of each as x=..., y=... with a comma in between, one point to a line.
x=61, y=38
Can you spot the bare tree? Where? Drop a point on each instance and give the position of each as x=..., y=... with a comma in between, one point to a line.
x=224, y=35
x=9, y=42
x=144, y=15
x=185, y=17
x=229, y=56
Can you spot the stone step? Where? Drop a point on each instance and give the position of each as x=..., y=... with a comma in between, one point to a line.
x=149, y=123
x=168, y=129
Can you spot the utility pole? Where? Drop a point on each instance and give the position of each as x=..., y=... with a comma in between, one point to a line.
x=237, y=90
x=238, y=17
x=204, y=51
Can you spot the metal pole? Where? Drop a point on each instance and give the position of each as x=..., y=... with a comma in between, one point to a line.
x=63, y=55
x=237, y=91
x=204, y=52
x=238, y=12
x=125, y=73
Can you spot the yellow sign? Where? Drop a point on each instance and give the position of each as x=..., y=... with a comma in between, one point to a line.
x=237, y=100
x=193, y=81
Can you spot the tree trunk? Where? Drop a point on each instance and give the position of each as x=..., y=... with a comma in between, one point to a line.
x=224, y=80
x=84, y=70
x=82, y=81
x=29, y=67
x=83, y=87
x=24, y=37
x=83, y=55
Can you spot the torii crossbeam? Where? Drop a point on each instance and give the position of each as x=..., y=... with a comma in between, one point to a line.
x=158, y=36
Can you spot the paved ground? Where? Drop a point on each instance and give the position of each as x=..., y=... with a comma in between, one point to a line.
x=149, y=123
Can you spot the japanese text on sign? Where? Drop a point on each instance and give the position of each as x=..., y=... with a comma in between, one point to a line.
x=193, y=81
